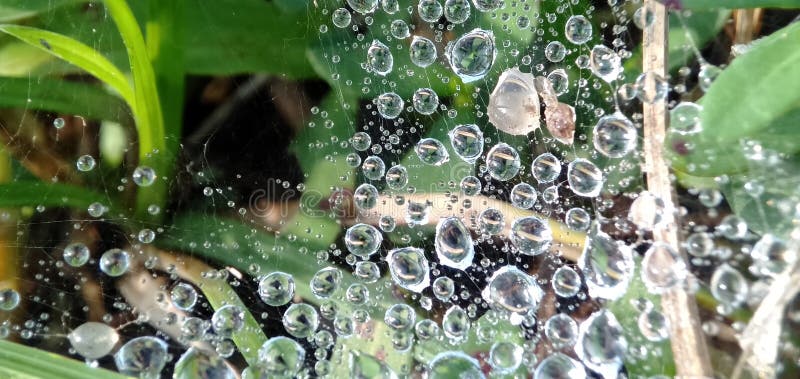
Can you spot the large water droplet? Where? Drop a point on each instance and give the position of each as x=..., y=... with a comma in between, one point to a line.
x=228, y=320
x=389, y=105
x=183, y=296
x=93, y=340
x=409, y=268
x=531, y=235
x=662, y=268
x=605, y=63
x=729, y=286
x=685, y=118
x=365, y=366
x=457, y=11
x=115, y=262
x=584, y=178
x=566, y=282
x=454, y=243
x=363, y=6
x=523, y=196
x=559, y=366
x=502, y=162
x=432, y=151
x=276, y=288
x=454, y=364
x=422, y=51
x=144, y=357
x=513, y=291
x=325, y=282
x=614, y=135
x=455, y=323
x=195, y=363
x=578, y=30
x=300, y=320
x=505, y=357
x=76, y=254
x=379, y=58
x=606, y=264
x=363, y=240
x=365, y=197
x=430, y=10
x=281, y=356
x=425, y=101
x=771, y=255
x=561, y=330
x=602, y=345
x=472, y=55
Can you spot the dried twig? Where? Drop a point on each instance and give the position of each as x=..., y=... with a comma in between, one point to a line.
x=688, y=341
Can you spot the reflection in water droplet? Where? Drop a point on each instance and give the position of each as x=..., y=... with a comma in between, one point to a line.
x=472, y=55
x=409, y=268
x=454, y=243
x=514, y=292
x=607, y=265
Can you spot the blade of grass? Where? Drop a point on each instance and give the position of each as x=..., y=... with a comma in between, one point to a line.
x=21, y=362
x=75, y=53
x=35, y=193
x=153, y=151
x=63, y=97
x=12, y=10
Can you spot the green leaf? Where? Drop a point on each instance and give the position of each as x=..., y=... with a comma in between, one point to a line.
x=755, y=96
x=62, y=96
x=12, y=10
x=153, y=150
x=735, y=4
x=34, y=193
x=76, y=53
x=23, y=362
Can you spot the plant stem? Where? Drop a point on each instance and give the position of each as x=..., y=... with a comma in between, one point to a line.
x=688, y=341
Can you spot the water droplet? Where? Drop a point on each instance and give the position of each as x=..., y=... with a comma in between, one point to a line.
x=505, y=357
x=417, y=213
x=467, y=141
x=685, y=118
x=512, y=291
x=325, y=282
x=578, y=219
x=531, y=235
x=602, y=344
x=561, y=330
x=514, y=103
x=566, y=282
x=425, y=101
x=367, y=271
x=662, y=268
x=399, y=29
x=559, y=366
x=578, y=30
x=455, y=323
x=707, y=75
x=430, y=10
x=400, y=317
x=523, y=196
x=183, y=296
x=389, y=105
x=607, y=265
x=472, y=55
x=771, y=255
x=366, y=197
x=652, y=87
x=390, y=6
x=144, y=357
x=699, y=244
x=422, y=51
x=341, y=18
x=653, y=325
x=364, y=366
x=732, y=227
x=96, y=209
x=491, y=221
x=115, y=262
x=470, y=185
x=276, y=288
x=454, y=243
x=281, y=356
x=379, y=58
x=144, y=176
x=59, y=123
x=555, y=51
x=446, y=364
x=397, y=177
x=93, y=340
x=195, y=363
x=227, y=320
x=373, y=167
x=300, y=320
x=584, y=178
x=487, y=5
x=85, y=163
x=605, y=63
x=443, y=288
x=614, y=136
x=9, y=299
x=363, y=6
x=409, y=268
x=643, y=17
x=457, y=11
x=432, y=151
x=560, y=81
x=76, y=254
x=729, y=286
x=502, y=162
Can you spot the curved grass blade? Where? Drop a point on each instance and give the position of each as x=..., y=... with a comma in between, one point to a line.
x=75, y=53
x=36, y=193
x=23, y=362
x=61, y=96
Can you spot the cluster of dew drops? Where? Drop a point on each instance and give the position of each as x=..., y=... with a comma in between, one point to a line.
x=510, y=296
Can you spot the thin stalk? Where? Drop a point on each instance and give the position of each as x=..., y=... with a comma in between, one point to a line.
x=688, y=341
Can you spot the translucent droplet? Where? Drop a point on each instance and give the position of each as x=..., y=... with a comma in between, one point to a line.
x=560, y=81
x=144, y=357
x=300, y=320
x=559, y=366
x=227, y=320
x=432, y=151
x=417, y=213
x=59, y=123
x=366, y=196
x=467, y=141
x=614, y=136
x=9, y=299
x=379, y=58
x=455, y=323
x=771, y=255
x=144, y=176
x=531, y=235
x=729, y=286
x=425, y=101
x=602, y=344
x=399, y=29
x=491, y=221
x=652, y=87
x=454, y=243
x=76, y=254
x=456, y=11
x=367, y=271
x=281, y=356
x=363, y=6
x=584, y=178
x=699, y=244
x=732, y=227
x=555, y=51
x=607, y=265
x=96, y=209
x=578, y=30
x=546, y=168
x=85, y=163
x=685, y=118
x=505, y=357
x=183, y=296
x=566, y=282
x=447, y=364
x=502, y=162
x=422, y=51
x=523, y=196
x=397, y=177
x=470, y=185
x=325, y=282
x=115, y=262
x=430, y=10
x=514, y=103
x=363, y=366
x=707, y=75
x=400, y=317
x=341, y=18
x=513, y=291
x=605, y=63
x=276, y=288
x=409, y=268
x=93, y=340
x=195, y=363
x=643, y=17
x=390, y=6
x=472, y=55
x=653, y=325
x=561, y=330
x=373, y=167
x=443, y=288
x=389, y=105
x=487, y=5
x=662, y=268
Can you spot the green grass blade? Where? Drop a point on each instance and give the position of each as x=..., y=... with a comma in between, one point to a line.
x=153, y=151
x=12, y=10
x=35, y=193
x=61, y=96
x=75, y=53
x=23, y=362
